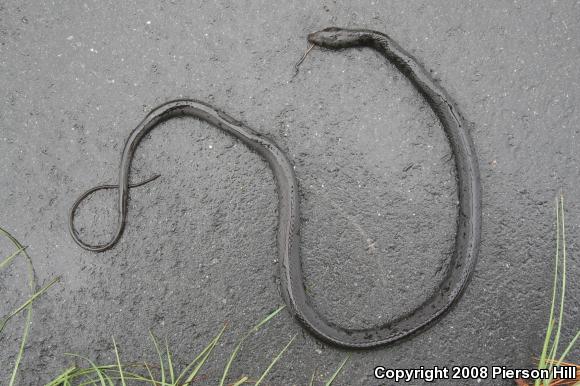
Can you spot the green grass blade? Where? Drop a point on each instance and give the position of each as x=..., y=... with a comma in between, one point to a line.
x=276, y=359
x=119, y=363
x=191, y=378
x=554, y=286
x=201, y=362
x=231, y=360
x=567, y=350
x=233, y=356
x=549, y=329
x=31, y=286
x=83, y=374
x=62, y=378
x=7, y=260
x=331, y=379
x=312, y=377
x=150, y=373
x=242, y=340
x=169, y=363
x=268, y=318
x=12, y=239
x=241, y=381
x=28, y=322
x=127, y=376
x=94, y=367
x=554, y=351
x=161, y=364
x=27, y=303
x=200, y=355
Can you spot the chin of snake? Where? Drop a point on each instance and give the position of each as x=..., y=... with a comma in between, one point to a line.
x=462, y=261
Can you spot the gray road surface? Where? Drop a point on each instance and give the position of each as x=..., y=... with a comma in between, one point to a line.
x=377, y=185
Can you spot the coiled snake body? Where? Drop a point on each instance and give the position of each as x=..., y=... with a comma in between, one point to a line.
x=467, y=240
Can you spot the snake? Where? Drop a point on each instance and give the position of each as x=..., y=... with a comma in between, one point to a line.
x=462, y=261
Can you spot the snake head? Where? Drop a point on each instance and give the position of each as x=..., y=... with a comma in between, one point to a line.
x=334, y=38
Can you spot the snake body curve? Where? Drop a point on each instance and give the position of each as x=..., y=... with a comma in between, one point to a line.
x=468, y=235
x=288, y=239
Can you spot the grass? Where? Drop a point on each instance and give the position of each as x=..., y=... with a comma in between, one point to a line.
x=165, y=372
x=26, y=306
x=549, y=356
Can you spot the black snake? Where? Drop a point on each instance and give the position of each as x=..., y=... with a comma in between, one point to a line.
x=467, y=241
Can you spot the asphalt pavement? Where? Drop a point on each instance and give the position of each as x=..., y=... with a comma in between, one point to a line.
x=377, y=182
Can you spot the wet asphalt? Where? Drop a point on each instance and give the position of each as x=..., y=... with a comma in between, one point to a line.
x=377, y=183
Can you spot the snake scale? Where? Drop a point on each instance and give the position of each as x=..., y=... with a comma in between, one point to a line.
x=467, y=239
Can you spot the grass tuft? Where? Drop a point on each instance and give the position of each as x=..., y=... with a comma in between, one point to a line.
x=119, y=373
x=549, y=356
x=242, y=340
x=27, y=305
x=141, y=373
